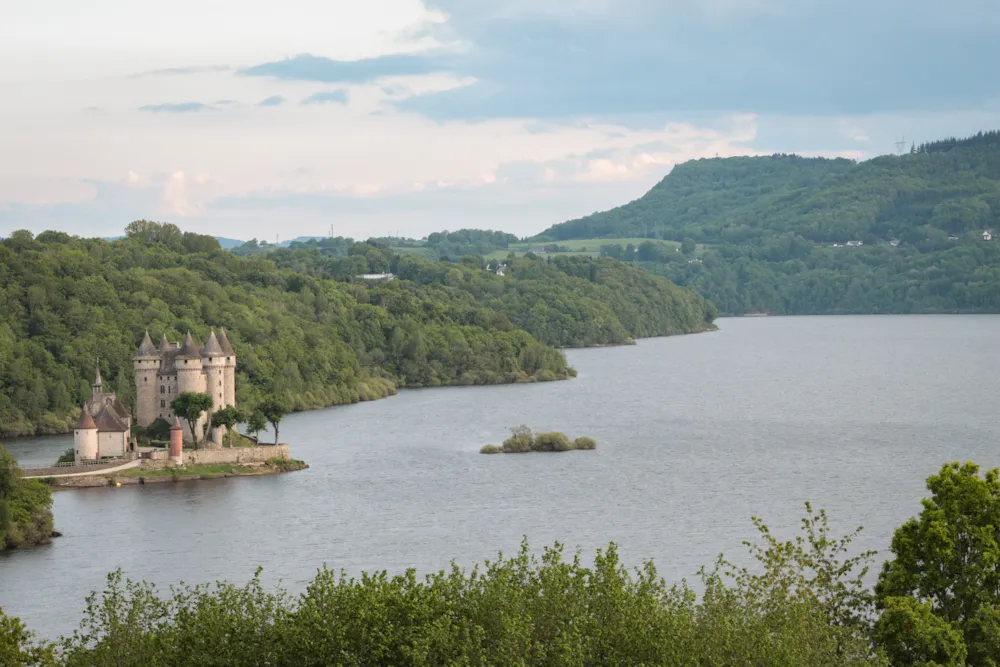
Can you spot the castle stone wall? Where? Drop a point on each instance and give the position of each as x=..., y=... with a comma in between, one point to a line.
x=257, y=454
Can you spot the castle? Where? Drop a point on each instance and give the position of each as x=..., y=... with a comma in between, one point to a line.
x=105, y=425
x=161, y=374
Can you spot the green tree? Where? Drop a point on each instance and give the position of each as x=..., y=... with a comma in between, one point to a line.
x=189, y=406
x=940, y=593
x=17, y=645
x=256, y=422
x=274, y=409
x=688, y=246
x=229, y=417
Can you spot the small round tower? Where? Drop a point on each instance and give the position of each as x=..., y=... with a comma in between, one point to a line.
x=146, y=363
x=177, y=442
x=189, y=373
x=85, y=437
x=229, y=380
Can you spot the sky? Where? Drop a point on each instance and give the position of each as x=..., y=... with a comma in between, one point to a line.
x=268, y=120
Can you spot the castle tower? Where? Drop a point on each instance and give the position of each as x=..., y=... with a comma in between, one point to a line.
x=177, y=442
x=85, y=437
x=213, y=360
x=146, y=363
x=229, y=380
x=189, y=375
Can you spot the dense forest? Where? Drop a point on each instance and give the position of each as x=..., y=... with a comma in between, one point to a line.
x=803, y=602
x=563, y=302
x=786, y=234
x=25, y=508
x=303, y=330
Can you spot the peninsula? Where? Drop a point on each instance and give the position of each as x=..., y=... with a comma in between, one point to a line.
x=186, y=416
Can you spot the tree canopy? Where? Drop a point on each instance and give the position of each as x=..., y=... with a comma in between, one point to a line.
x=304, y=329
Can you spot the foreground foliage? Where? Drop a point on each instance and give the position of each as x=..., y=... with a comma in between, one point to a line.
x=939, y=595
x=25, y=508
x=520, y=610
x=802, y=602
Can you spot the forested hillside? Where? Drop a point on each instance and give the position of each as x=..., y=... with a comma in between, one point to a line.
x=297, y=331
x=909, y=233
x=565, y=302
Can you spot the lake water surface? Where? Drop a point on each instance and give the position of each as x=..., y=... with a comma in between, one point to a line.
x=695, y=434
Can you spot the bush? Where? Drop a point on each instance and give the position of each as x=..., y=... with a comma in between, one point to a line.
x=518, y=610
x=552, y=442
x=490, y=449
x=584, y=442
x=69, y=456
x=521, y=441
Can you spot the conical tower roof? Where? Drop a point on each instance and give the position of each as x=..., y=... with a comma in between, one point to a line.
x=86, y=421
x=189, y=350
x=177, y=425
x=164, y=344
x=146, y=348
x=212, y=347
x=227, y=349
x=97, y=376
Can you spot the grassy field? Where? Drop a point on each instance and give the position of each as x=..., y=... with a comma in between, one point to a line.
x=588, y=247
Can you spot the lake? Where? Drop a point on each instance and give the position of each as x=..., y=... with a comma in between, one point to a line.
x=695, y=435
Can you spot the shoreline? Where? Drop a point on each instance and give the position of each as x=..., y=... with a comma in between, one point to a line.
x=398, y=388
x=138, y=476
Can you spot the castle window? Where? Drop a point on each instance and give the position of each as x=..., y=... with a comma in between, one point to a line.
x=168, y=390
x=162, y=389
x=163, y=404
x=220, y=383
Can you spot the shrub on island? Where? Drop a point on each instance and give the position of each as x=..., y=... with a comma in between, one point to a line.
x=522, y=441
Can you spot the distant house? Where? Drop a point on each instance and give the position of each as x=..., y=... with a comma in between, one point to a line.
x=376, y=276
x=988, y=235
x=952, y=238
x=501, y=268
x=894, y=242
x=854, y=244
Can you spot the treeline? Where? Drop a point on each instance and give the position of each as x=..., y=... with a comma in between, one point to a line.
x=311, y=341
x=25, y=513
x=951, y=186
x=788, y=275
x=304, y=330
x=802, y=603
x=563, y=302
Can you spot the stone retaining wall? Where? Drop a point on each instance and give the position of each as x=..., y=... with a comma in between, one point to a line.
x=236, y=455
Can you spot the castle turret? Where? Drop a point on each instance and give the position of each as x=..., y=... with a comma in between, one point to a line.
x=177, y=442
x=189, y=374
x=229, y=380
x=146, y=363
x=97, y=387
x=213, y=360
x=85, y=437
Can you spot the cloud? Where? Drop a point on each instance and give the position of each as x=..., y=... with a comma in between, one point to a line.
x=599, y=58
x=327, y=97
x=307, y=67
x=272, y=101
x=175, y=71
x=182, y=107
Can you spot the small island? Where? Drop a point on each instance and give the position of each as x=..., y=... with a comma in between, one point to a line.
x=522, y=441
